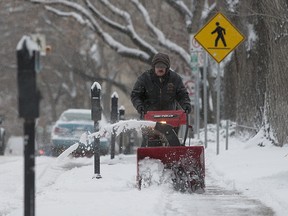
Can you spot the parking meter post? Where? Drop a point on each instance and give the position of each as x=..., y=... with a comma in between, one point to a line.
x=121, y=117
x=121, y=143
x=97, y=153
x=28, y=107
x=122, y=113
x=29, y=167
x=130, y=143
x=114, y=118
x=96, y=113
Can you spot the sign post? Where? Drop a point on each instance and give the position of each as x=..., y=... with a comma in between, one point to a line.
x=195, y=72
x=219, y=37
x=205, y=99
x=196, y=63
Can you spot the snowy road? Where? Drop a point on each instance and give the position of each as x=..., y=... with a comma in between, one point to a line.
x=65, y=187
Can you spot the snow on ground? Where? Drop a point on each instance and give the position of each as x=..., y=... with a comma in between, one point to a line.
x=259, y=171
x=65, y=185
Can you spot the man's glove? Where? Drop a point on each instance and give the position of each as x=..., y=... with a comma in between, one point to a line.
x=140, y=109
x=187, y=108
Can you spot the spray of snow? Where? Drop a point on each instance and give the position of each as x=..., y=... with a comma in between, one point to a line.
x=153, y=172
x=118, y=128
x=68, y=151
x=52, y=171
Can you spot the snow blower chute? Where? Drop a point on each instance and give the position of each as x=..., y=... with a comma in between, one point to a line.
x=185, y=162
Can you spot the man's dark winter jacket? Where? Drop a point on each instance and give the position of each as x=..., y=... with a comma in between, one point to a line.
x=155, y=93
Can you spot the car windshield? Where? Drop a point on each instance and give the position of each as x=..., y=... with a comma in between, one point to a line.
x=76, y=116
x=78, y=127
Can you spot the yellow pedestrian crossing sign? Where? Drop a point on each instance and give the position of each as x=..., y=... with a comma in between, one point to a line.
x=219, y=37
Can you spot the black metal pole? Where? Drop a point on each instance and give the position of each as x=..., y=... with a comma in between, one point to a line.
x=97, y=152
x=114, y=118
x=121, y=117
x=96, y=112
x=121, y=143
x=29, y=165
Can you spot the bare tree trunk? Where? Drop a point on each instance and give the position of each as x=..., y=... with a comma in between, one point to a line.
x=277, y=77
x=256, y=81
x=245, y=76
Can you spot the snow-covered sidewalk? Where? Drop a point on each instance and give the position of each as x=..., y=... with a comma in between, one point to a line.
x=65, y=185
x=258, y=171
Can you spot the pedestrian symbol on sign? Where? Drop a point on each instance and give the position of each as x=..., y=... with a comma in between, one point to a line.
x=221, y=32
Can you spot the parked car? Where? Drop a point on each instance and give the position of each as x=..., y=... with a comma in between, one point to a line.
x=2, y=138
x=68, y=129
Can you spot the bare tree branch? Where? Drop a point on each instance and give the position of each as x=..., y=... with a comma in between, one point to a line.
x=183, y=10
x=128, y=30
x=145, y=51
x=100, y=79
x=106, y=37
x=160, y=35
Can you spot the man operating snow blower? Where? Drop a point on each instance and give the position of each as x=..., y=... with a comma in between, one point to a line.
x=157, y=95
x=159, y=88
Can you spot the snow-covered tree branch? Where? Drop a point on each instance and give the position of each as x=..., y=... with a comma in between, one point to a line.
x=107, y=38
x=90, y=14
x=128, y=29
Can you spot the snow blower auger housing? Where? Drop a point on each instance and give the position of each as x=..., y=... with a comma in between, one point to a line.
x=186, y=162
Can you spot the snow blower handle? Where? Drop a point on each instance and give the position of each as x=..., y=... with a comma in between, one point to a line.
x=141, y=111
x=187, y=126
x=142, y=115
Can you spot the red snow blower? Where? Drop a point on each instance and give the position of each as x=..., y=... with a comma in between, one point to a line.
x=162, y=144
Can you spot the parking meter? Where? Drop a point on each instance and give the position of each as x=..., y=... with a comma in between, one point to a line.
x=96, y=112
x=96, y=109
x=28, y=105
x=28, y=65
